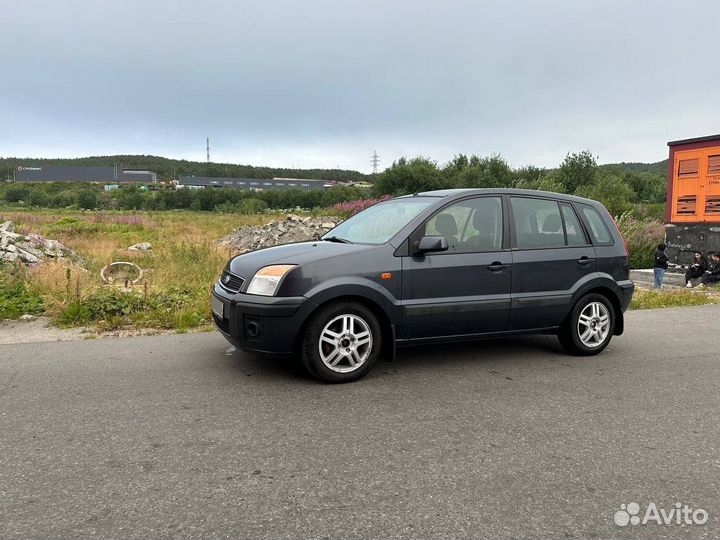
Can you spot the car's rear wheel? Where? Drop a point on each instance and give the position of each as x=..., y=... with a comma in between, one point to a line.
x=342, y=342
x=589, y=327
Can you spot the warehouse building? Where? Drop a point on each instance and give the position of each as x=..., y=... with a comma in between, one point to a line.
x=256, y=184
x=52, y=173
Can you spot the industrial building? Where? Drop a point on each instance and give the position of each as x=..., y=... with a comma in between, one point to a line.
x=53, y=173
x=693, y=198
x=257, y=184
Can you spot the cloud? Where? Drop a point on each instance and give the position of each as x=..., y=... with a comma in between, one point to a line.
x=322, y=83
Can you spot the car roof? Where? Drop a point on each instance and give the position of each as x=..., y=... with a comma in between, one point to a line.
x=463, y=192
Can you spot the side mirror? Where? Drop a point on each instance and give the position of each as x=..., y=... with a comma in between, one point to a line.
x=432, y=243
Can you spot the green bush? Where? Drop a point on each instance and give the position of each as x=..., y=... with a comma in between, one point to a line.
x=16, y=194
x=87, y=199
x=176, y=307
x=15, y=298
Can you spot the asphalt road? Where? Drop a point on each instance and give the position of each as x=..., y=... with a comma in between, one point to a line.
x=171, y=436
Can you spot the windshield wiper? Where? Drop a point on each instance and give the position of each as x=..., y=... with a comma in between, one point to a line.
x=337, y=239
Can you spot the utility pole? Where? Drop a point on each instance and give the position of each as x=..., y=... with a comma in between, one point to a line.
x=207, y=142
x=375, y=160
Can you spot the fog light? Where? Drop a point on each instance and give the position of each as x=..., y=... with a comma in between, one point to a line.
x=253, y=329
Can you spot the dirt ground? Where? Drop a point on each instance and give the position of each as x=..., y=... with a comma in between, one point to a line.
x=41, y=329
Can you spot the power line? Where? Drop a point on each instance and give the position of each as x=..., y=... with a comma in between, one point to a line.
x=375, y=160
x=207, y=142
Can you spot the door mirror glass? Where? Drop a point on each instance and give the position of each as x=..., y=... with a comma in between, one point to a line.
x=432, y=243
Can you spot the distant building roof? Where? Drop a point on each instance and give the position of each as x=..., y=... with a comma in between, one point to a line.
x=707, y=138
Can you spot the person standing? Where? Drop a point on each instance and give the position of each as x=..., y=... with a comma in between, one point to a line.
x=660, y=265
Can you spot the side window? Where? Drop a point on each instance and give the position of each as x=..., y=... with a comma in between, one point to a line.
x=598, y=229
x=537, y=223
x=573, y=230
x=469, y=225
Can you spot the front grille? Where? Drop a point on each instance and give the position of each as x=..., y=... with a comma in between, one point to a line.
x=230, y=282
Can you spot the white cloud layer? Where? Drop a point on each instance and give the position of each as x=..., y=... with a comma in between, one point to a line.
x=324, y=83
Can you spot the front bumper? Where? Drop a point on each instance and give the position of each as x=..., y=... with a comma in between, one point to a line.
x=266, y=325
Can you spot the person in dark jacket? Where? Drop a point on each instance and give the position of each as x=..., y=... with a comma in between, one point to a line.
x=696, y=270
x=660, y=265
x=712, y=274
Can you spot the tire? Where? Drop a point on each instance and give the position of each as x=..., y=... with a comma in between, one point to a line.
x=342, y=342
x=589, y=336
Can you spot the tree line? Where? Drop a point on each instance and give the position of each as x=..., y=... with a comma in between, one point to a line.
x=620, y=187
x=131, y=197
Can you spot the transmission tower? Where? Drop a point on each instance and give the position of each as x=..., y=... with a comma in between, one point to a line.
x=375, y=160
x=207, y=142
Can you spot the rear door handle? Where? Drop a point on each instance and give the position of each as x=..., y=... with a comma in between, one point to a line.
x=585, y=261
x=497, y=266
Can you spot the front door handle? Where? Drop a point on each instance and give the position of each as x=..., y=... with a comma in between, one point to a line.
x=585, y=261
x=497, y=266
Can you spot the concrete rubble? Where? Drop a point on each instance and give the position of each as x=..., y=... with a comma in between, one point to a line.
x=31, y=248
x=292, y=229
x=142, y=246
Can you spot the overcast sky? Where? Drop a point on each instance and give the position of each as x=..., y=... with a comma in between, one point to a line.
x=325, y=83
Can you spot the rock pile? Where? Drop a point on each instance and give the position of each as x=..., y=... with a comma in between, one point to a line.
x=292, y=229
x=30, y=249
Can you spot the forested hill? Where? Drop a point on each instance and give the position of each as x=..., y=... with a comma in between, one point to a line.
x=654, y=168
x=172, y=168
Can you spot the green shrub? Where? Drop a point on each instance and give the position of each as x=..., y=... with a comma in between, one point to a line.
x=87, y=199
x=16, y=194
x=75, y=314
x=15, y=298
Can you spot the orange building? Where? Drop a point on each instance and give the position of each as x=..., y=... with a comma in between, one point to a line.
x=694, y=181
x=693, y=198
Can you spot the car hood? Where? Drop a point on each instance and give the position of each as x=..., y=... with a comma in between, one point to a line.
x=248, y=264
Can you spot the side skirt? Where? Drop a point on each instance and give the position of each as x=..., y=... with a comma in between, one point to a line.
x=474, y=337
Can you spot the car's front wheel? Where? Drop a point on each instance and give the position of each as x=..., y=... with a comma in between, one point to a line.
x=589, y=327
x=341, y=343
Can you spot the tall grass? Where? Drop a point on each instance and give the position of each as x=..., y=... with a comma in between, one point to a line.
x=642, y=237
x=179, y=271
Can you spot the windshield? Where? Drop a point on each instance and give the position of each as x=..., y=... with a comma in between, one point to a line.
x=380, y=222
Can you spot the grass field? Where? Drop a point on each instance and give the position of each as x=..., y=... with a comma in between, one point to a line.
x=179, y=270
x=664, y=298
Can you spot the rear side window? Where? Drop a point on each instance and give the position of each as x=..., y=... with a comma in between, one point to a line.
x=573, y=229
x=598, y=229
x=537, y=223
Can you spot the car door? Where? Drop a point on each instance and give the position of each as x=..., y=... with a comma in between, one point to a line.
x=466, y=289
x=551, y=256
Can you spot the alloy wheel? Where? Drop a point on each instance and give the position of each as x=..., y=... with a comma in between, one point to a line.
x=593, y=324
x=345, y=343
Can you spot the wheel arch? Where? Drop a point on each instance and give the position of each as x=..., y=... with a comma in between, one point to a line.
x=387, y=327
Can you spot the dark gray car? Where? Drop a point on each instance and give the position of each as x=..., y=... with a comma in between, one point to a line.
x=442, y=265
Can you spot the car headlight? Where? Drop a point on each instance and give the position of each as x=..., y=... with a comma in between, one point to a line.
x=266, y=280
